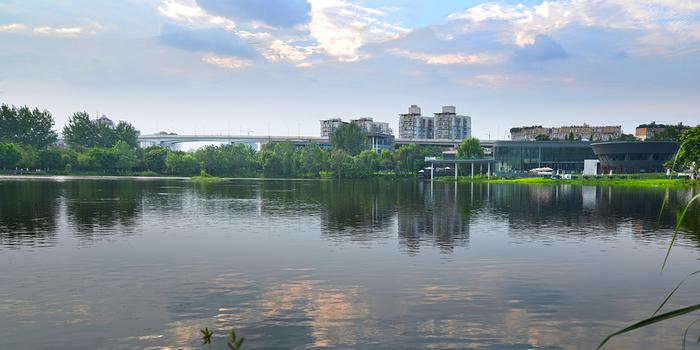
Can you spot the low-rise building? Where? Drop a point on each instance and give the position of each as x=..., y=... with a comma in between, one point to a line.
x=518, y=157
x=654, y=131
x=575, y=132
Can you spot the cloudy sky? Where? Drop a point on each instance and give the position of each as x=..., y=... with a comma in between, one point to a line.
x=278, y=66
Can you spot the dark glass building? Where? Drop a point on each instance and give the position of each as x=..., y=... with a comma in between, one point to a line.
x=634, y=157
x=512, y=157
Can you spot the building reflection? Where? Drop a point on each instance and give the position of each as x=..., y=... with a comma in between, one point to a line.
x=564, y=210
x=438, y=215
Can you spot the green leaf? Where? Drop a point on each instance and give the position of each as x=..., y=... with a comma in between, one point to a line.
x=685, y=334
x=650, y=321
x=678, y=225
x=673, y=291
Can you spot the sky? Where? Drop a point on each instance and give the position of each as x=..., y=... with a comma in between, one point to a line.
x=276, y=67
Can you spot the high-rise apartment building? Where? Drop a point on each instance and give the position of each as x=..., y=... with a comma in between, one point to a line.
x=379, y=134
x=413, y=125
x=451, y=126
x=444, y=125
x=328, y=126
x=371, y=127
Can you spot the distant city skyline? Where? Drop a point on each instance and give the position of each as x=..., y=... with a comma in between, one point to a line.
x=278, y=67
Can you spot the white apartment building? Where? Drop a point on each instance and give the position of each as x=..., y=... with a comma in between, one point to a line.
x=451, y=126
x=413, y=125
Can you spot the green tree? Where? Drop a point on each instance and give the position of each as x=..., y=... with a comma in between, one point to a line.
x=626, y=137
x=9, y=155
x=125, y=156
x=50, y=159
x=126, y=132
x=340, y=163
x=154, y=159
x=179, y=163
x=668, y=133
x=228, y=160
x=470, y=148
x=103, y=159
x=311, y=160
x=386, y=161
x=29, y=156
x=368, y=162
x=81, y=132
x=542, y=137
x=410, y=159
x=26, y=126
x=350, y=138
x=689, y=152
x=279, y=159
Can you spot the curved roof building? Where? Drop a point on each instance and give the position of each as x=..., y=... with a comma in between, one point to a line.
x=634, y=156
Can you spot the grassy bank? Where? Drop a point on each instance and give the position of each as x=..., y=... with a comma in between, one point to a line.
x=614, y=181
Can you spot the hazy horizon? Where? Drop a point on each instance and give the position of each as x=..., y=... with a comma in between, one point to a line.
x=277, y=67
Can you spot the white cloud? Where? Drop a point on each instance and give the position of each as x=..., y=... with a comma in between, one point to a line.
x=662, y=24
x=226, y=61
x=189, y=12
x=498, y=81
x=280, y=50
x=450, y=58
x=12, y=27
x=341, y=28
x=60, y=31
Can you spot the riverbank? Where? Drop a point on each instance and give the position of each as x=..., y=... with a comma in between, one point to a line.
x=604, y=181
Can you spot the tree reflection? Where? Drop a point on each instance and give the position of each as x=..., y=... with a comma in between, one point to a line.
x=104, y=207
x=28, y=212
x=357, y=210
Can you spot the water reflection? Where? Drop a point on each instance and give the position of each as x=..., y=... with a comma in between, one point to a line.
x=439, y=215
x=353, y=264
x=28, y=213
x=99, y=208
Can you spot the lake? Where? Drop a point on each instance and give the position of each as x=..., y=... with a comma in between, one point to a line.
x=390, y=264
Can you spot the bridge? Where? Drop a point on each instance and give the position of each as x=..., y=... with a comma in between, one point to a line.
x=172, y=140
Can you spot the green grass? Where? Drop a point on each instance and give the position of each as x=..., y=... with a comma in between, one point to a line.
x=204, y=177
x=641, y=182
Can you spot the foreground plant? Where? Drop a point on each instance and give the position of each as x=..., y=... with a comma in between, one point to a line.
x=656, y=317
x=234, y=343
x=206, y=336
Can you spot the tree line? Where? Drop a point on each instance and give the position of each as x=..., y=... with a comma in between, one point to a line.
x=28, y=143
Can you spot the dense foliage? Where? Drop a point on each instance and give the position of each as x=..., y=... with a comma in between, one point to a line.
x=26, y=126
x=81, y=132
x=28, y=143
x=470, y=148
x=350, y=138
x=689, y=153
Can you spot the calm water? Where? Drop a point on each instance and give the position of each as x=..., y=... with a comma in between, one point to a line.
x=133, y=264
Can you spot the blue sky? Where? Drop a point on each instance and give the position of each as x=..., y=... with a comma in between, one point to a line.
x=278, y=66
